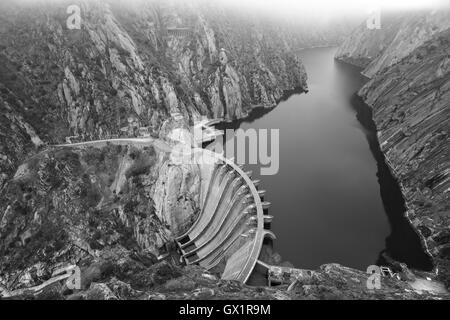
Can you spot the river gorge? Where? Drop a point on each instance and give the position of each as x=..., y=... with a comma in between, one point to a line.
x=328, y=149
x=97, y=96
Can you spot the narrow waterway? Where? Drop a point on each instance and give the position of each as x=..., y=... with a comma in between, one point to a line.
x=333, y=198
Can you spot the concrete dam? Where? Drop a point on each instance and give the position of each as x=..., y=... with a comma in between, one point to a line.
x=228, y=234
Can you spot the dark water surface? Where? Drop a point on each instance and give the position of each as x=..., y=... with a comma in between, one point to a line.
x=333, y=198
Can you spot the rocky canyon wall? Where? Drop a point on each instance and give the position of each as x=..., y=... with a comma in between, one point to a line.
x=399, y=35
x=139, y=62
x=409, y=92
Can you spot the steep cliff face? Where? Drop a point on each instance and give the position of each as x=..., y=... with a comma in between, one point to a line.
x=399, y=35
x=137, y=62
x=409, y=93
x=65, y=205
x=411, y=110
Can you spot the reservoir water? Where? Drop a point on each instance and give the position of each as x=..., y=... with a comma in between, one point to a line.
x=333, y=198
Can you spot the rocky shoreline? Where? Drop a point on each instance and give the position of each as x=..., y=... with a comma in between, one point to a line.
x=409, y=101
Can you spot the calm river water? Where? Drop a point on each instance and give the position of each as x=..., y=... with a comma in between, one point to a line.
x=333, y=198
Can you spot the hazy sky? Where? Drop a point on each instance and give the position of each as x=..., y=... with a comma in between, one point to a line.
x=330, y=8
x=306, y=10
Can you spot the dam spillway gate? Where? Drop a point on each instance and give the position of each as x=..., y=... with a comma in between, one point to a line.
x=229, y=232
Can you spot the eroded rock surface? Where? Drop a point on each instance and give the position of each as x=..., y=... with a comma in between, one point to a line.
x=65, y=204
x=410, y=94
x=126, y=61
x=398, y=37
x=411, y=110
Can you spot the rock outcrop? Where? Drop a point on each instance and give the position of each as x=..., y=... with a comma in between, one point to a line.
x=399, y=35
x=129, y=60
x=410, y=93
x=64, y=205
